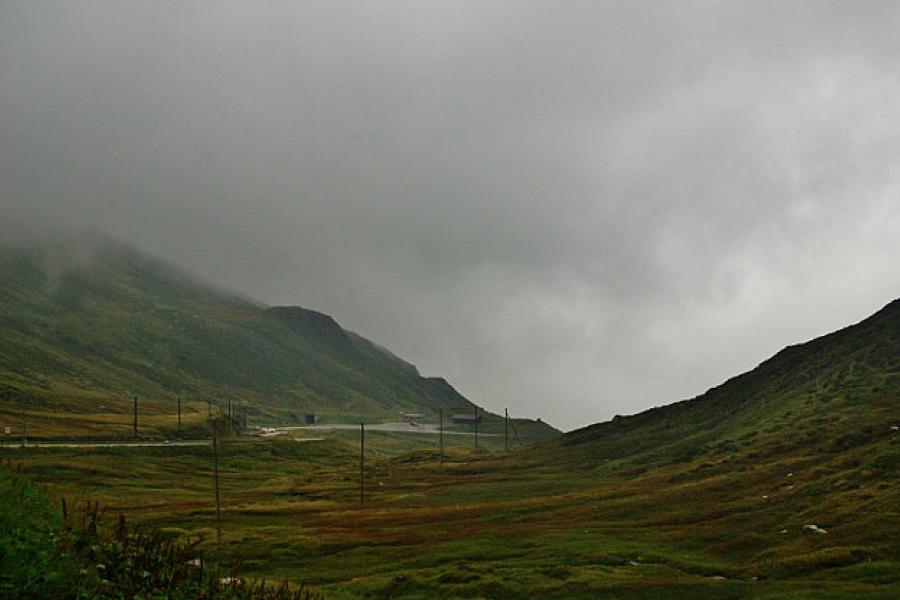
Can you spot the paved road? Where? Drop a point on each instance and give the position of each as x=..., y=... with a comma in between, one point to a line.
x=391, y=427
x=109, y=444
x=388, y=427
x=176, y=444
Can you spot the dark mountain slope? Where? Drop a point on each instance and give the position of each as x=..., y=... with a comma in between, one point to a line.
x=94, y=319
x=830, y=393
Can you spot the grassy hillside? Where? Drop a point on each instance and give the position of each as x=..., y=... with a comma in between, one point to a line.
x=708, y=498
x=833, y=395
x=88, y=324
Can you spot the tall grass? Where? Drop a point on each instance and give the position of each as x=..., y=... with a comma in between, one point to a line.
x=79, y=554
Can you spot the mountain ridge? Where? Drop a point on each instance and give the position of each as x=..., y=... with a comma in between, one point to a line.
x=98, y=319
x=827, y=410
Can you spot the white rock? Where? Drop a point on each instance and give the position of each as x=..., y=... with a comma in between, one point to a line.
x=814, y=529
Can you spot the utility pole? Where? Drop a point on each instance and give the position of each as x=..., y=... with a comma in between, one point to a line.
x=215, y=449
x=24, y=421
x=179, y=415
x=476, y=426
x=135, y=418
x=362, y=464
x=441, y=434
x=506, y=429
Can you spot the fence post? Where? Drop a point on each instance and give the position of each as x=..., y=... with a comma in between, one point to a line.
x=135, y=418
x=476, y=426
x=179, y=415
x=441, y=435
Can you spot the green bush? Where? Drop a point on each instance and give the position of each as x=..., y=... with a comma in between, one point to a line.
x=28, y=541
x=75, y=556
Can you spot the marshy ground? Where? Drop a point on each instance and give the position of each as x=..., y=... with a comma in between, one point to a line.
x=529, y=523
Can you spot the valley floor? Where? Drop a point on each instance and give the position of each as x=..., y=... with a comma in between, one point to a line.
x=490, y=524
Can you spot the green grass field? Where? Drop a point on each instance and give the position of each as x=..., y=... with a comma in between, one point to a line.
x=495, y=525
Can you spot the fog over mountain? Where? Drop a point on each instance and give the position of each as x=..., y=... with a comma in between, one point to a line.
x=571, y=209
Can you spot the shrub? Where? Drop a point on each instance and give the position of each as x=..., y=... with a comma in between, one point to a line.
x=75, y=556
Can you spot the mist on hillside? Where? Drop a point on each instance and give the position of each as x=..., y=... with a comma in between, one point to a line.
x=575, y=210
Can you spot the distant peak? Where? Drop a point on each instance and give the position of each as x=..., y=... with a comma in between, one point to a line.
x=310, y=321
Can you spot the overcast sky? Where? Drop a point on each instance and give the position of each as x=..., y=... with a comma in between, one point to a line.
x=571, y=209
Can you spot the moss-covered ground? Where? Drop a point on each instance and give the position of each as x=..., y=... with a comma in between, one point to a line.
x=506, y=525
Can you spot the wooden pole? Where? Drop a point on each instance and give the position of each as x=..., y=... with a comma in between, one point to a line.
x=362, y=464
x=135, y=418
x=441, y=435
x=179, y=415
x=476, y=426
x=24, y=421
x=506, y=429
x=215, y=449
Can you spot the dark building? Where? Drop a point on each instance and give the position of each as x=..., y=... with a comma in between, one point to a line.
x=465, y=419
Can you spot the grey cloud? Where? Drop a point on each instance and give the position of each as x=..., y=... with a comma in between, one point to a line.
x=571, y=209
